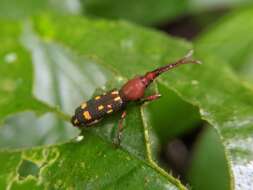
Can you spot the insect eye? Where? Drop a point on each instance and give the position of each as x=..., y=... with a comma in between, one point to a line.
x=144, y=81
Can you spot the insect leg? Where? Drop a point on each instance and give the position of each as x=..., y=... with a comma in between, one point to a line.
x=150, y=98
x=120, y=128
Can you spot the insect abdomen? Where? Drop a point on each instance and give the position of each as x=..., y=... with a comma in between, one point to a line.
x=95, y=109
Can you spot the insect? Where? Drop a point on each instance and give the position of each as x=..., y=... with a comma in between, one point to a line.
x=92, y=111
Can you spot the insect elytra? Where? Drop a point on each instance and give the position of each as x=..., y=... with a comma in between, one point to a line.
x=97, y=107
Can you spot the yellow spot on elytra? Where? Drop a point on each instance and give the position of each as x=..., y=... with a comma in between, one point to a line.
x=97, y=97
x=109, y=106
x=109, y=111
x=117, y=98
x=76, y=121
x=84, y=105
x=100, y=107
x=86, y=115
x=115, y=92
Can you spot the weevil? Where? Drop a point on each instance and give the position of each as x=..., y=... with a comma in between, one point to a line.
x=92, y=111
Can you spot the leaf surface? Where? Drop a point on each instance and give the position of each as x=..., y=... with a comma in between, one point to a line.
x=230, y=42
x=229, y=39
x=60, y=78
x=126, y=50
x=223, y=100
x=207, y=157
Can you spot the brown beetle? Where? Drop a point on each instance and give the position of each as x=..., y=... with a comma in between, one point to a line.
x=115, y=100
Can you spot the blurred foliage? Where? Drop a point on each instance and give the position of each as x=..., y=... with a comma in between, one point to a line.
x=209, y=162
x=230, y=39
x=15, y=9
x=146, y=12
x=50, y=62
x=142, y=11
x=150, y=12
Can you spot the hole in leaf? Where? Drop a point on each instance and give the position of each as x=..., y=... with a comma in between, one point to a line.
x=28, y=168
x=176, y=154
x=177, y=125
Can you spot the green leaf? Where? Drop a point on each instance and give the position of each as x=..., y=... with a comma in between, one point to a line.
x=230, y=40
x=62, y=78
x=146, y=12
x=91, y=163
x=150, y=12
x=16, y=72
x=25, y=129
x=15, y=9
x=201, y=6
x=16, y=83
x=136, y=11
x=208, y=156
x=227, y=105
x=222, y=99
x=126, y=50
